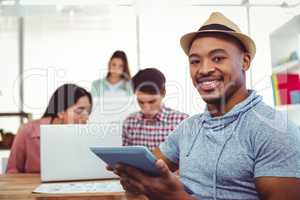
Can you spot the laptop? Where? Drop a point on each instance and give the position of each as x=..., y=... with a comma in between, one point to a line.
x=66, y=154
x=112, y=108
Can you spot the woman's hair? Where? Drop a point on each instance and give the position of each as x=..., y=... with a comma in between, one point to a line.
x=121, y=55
x=64, y=97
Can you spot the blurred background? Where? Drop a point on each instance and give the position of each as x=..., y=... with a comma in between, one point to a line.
x=45, y=43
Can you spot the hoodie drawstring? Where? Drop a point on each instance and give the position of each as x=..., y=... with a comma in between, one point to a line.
x=194, y=141
x=220, y=154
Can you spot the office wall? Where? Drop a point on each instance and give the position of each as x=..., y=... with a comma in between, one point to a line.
x=9, y=82
x=73, y=49
x=76, y=48
x=263, y=22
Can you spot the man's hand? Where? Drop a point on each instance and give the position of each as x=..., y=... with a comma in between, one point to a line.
x=167, y=186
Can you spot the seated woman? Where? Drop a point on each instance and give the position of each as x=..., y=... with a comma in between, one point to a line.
x=117, y=78
x=69, y=104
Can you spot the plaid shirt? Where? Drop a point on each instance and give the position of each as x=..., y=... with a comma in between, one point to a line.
x=150, y=133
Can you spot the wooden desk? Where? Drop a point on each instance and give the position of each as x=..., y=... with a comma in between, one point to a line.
x=20, y=187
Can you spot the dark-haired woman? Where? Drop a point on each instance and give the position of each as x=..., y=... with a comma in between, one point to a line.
x=69, y=104
x=117, y=78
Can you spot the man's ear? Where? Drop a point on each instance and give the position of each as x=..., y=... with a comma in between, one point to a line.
x=163, y=92
x=246, y=61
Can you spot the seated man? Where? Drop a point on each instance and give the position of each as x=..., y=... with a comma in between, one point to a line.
x=154, y=122
x=239, y=148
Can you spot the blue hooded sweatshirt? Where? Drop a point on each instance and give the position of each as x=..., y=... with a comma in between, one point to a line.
x=220, y=157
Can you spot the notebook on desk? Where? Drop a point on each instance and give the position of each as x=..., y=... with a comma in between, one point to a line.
x=66, y=155
x=109, y=186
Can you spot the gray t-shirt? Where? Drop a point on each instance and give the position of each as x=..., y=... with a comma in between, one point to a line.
x=220, y=157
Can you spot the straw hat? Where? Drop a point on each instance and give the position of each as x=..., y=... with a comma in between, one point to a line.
x=217, y=22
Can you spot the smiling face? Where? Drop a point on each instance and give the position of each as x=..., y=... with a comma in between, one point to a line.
x=78, y=113
x=217, y=67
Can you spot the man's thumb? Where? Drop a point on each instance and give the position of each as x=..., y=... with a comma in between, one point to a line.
x=163, y=168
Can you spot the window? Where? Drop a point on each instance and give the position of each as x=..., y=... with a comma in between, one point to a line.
x=9, y=87
x=73, y=49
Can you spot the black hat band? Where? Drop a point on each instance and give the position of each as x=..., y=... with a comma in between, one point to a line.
x=215, y=27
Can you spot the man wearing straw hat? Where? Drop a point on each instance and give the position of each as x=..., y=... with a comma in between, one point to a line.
x=239, y=148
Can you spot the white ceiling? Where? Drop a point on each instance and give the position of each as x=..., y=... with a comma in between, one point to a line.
x=132, y=2
x=290, y=2
x=104, y=7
